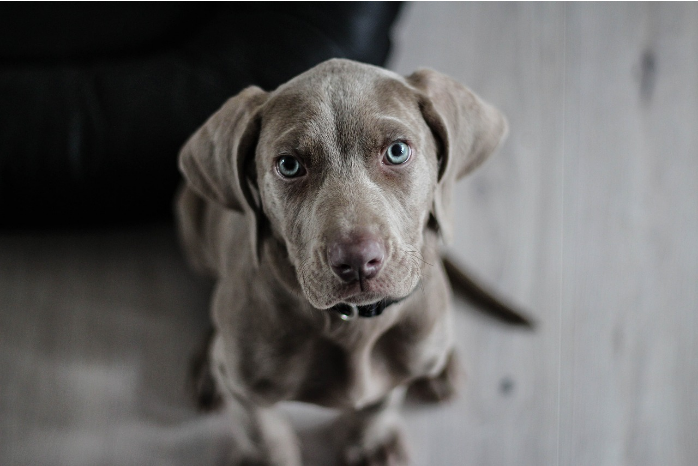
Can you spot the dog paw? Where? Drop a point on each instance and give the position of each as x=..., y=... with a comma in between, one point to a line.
x=391, y=451
x=441, y=388
x=257, y=460
x=252, y=462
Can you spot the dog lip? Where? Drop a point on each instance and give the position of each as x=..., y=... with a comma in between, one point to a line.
x=366, y=299
x=352, y=295
x=355, y=300
x=355, y=297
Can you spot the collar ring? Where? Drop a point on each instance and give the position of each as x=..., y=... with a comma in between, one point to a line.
x=353, y=312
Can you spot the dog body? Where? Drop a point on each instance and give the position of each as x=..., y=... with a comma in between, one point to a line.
x=321, y=200
x=274, y=346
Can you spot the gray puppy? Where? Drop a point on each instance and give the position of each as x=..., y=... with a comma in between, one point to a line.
x=319, y=208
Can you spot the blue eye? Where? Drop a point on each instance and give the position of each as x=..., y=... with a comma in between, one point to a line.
x=289, y=167
x=398, y=153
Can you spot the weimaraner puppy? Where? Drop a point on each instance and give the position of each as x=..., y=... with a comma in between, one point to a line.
x=319, y=208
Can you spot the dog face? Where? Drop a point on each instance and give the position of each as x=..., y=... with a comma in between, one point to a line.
x=347, y=164
x=347, y=167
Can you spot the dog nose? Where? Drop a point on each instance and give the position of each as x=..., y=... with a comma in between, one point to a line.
x=357, y=258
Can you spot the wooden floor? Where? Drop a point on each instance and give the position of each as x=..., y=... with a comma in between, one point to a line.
x=588, y=217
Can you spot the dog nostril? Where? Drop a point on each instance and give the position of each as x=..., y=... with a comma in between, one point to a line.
x=371, y=268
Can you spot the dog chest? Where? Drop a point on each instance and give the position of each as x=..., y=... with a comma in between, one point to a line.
x=345, y=370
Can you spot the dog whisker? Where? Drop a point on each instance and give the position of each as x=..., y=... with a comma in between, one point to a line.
x=418, y=255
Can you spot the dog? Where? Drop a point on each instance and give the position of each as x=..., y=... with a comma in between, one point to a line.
x=319, y=209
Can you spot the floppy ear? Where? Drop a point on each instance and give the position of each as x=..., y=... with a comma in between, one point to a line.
x=215, y=159
x=467, y=132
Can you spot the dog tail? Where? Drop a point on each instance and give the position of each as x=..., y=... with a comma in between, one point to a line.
x=485, y=301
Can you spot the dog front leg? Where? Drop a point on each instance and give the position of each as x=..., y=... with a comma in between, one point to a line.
x=261, y=436
x=374, y=435
x=441, y=387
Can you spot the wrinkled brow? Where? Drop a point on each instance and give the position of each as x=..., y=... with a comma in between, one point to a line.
x=314, y=142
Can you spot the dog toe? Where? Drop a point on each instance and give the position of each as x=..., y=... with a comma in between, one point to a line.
x=441, y=388
x=391, y=452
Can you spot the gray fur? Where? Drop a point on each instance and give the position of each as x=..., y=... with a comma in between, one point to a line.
x=265, y=239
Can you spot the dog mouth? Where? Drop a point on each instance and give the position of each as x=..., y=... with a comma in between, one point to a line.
x=326, y=292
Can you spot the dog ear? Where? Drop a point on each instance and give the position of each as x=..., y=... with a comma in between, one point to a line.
x=467, y=132
x=217, y=160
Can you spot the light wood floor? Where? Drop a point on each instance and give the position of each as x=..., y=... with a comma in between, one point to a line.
x=588, y=217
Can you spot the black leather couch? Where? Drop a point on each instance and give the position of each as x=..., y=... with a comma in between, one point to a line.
x=96, y=99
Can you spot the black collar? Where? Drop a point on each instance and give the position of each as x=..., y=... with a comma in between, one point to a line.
x=350, y=311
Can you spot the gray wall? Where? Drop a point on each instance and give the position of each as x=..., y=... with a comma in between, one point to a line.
x=588, y=216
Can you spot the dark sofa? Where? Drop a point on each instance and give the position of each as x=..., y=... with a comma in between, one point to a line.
x=96, y=99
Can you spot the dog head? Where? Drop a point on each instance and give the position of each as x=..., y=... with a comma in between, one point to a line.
x=345, y=166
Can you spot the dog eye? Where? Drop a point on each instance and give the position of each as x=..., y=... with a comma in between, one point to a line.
x=289, y=167
x=398, y=153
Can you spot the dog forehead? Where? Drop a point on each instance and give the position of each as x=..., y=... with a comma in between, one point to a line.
x=337, y=105
x=341, y=76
